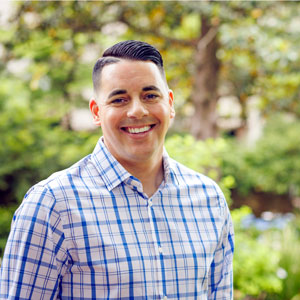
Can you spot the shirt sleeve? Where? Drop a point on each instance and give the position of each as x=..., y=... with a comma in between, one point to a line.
x=221, y=272
x=35, y=257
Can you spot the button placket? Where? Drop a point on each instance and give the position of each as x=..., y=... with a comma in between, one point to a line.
x=157, y=248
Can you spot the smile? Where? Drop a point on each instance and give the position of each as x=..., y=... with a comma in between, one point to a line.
x=136, y=130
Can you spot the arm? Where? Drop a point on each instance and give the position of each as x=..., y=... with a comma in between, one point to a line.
x=220, y=275
x=34, y=257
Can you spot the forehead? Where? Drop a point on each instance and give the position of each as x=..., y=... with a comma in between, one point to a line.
x=130, y=73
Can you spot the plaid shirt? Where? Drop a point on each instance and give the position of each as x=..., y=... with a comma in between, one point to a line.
x=89, y=232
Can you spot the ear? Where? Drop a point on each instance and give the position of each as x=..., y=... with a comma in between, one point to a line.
x=171, y=103
x=95, y=110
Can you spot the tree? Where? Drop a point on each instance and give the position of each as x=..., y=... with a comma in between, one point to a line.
x=223, y=51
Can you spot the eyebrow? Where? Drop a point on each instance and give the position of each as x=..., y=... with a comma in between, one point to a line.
x=117, y=92
x=151, y=88
x=121, y=92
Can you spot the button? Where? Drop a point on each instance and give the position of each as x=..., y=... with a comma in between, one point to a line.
x=160, y=250
x=150, y=203
x=165, y=297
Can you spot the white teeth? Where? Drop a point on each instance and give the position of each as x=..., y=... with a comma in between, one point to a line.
x=138, y=130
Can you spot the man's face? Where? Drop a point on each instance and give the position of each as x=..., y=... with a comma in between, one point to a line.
x=134, y=108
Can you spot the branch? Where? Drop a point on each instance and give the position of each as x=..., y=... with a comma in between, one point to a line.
x=205, y=40
x=156, y=32
x=200, y=43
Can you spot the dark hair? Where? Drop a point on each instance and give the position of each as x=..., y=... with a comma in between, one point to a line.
x=133, y=50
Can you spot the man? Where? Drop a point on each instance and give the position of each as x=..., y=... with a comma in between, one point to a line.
x=127, y=221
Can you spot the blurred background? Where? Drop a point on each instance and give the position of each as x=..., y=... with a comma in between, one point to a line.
x=234, y=68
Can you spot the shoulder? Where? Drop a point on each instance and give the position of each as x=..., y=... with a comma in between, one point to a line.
x=190, y=176
x=198, y=183
x=50, y=190
x=60, y=178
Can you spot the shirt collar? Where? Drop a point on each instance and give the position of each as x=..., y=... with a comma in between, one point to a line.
x=169, y=169
x=113, y=173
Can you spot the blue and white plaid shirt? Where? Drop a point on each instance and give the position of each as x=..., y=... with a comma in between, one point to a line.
x=89, y=232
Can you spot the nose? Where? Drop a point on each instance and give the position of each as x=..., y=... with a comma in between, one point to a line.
x=137, y=109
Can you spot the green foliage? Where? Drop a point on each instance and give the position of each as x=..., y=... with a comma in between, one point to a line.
x=34, y=146
x=289, y=262
x=42, y=80
x=260, y=55
x=255, y=261
x=273, y=164
x=6, y=214
x=265, y=262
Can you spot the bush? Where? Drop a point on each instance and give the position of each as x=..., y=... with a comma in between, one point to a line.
x=265, y=261
x=255, y=261
x=289, y=259
x=272, y=165
x=6, y=214
x=34, y=145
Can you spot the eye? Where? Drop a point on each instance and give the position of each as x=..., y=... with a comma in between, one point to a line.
x=151, y=96
x=119, y=101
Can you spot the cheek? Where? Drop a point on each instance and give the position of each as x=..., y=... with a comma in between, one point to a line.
x=163, y=112
x=111, y=117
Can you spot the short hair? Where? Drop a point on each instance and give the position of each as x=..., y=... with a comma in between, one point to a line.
x=132, y=50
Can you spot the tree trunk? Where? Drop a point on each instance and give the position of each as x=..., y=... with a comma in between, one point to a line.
x=204, y=95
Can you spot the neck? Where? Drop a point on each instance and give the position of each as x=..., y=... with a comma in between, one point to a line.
x=151, y=175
